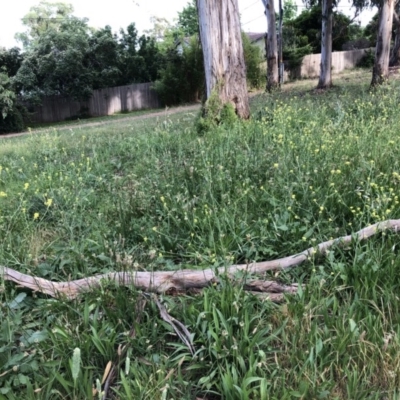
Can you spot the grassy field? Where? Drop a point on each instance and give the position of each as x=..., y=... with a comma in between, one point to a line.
x=152, y=195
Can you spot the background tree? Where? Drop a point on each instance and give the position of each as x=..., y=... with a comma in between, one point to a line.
x=325, y=76
x=56, y=64
x=188, y=22
x=307, y=28
x=380, y=70
x=7, y=95
x=395, y=54
x=40, y=19
x=225, y=70
x=272, y=46
x=104, y=58
x=11, y=113
x=11, y=60
x=253, y=59
x=182, y=78
x=289, y=11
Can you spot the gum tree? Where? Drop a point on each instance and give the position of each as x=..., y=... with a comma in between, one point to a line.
x=272, y=46
x=380, y=71
x=325, y=76
x=224, y=65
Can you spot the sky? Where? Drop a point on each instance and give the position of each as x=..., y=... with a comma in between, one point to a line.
x=120, y=13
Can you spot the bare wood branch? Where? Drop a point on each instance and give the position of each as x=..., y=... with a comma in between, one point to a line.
x=164, y=281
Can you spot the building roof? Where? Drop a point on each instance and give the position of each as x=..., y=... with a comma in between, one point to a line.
x=254, y=36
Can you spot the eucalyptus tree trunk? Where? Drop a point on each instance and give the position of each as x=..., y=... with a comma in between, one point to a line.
x=325, y=76
x=380, y=72
x=224, y=65
x=395, y=55
x=272, y=46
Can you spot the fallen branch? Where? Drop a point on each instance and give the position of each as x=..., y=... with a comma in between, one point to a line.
x=182, y=280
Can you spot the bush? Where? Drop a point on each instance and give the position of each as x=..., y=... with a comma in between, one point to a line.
x=368, y=60
x=253, y=59
x=215, y=113
x=182, y=79
x=14, y=121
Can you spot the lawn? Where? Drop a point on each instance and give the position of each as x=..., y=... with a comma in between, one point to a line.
x=154, y=195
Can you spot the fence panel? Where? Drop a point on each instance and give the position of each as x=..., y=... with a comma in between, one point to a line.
x=103, y=102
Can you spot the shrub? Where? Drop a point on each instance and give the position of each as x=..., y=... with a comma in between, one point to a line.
x=215, y=113
x=14, y=121
x=253, y=60
x=182, y=79
x=367, y=61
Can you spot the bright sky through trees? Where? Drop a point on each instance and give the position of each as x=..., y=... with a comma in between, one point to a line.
x=120, y=13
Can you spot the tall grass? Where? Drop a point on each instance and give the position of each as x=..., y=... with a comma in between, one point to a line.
x=157, y=196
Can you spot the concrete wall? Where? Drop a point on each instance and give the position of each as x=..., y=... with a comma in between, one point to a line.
x=341, y=60
x=103, y=102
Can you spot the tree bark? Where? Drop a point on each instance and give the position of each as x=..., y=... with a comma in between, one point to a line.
x=380, y=72
x=272, y=46
x=325, y=77
x=224, y=65
x=395, y=56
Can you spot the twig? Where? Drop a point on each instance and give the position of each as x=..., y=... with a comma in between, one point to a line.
x=179, y=328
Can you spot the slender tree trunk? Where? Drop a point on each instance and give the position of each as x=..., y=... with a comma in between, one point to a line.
x=325, y=76
x=380, y=72
x=272, y=46
x=395, y=56
x=224, y=65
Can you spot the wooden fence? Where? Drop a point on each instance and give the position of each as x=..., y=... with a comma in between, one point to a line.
x=103, y=102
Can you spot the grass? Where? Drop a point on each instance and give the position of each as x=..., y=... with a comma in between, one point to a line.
x=153, y=195
x=85, y=121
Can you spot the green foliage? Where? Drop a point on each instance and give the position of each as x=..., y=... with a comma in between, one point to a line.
x=7, y=95
x=367, y=61
x=15, y=120
x=289, y=11
x=156, y=196
x=188, y=23
x=42, y=18
x=66, y=57
x=182, y=78
x=215, y=113
x=295, y=47
x=56, y=64
x=12, y=115
x=10, y=60
x=307, y=27
x=253, y=60
x=139, y=59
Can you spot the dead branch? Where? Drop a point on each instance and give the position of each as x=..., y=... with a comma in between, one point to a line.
x=182, y=280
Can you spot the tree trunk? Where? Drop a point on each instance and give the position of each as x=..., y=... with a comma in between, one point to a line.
x=272, y=47
x=325, y=77
x=380, y=71
x=224, y=65
x=395, y=56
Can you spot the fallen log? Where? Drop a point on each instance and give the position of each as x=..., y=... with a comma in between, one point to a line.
x=182, y=280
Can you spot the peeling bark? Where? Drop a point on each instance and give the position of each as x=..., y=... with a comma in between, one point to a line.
x=224, y=65
x=380, y=72
x=272, y=46
x=395, y=55
x=325, y=77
